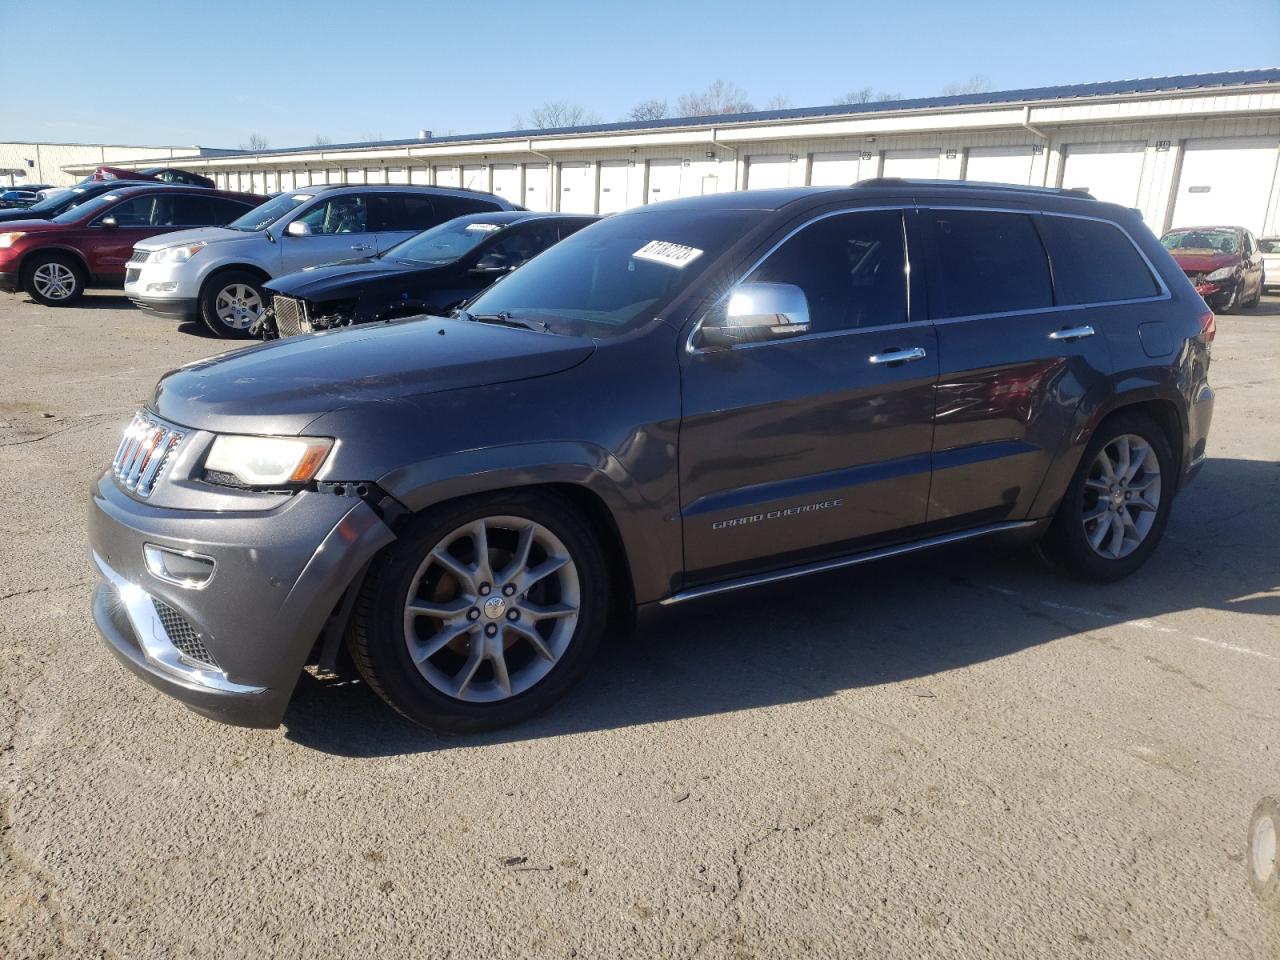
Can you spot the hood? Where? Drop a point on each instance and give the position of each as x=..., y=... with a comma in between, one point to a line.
x=333, y=280
x=10, y=215
x=197, y=235
x=1204, y=261
x=281, y=386
x=34, y=226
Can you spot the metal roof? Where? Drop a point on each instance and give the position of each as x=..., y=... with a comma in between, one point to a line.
x=1110, y=88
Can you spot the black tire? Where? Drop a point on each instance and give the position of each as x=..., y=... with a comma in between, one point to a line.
x=377, y=637
x=78, y=278
x=1066, y=548
x=214, y=288
x=1260, y=852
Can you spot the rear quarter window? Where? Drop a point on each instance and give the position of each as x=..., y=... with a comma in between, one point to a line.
x=1094, y=262
x=987, y=262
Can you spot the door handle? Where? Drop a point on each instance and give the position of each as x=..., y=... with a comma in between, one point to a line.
x=1072, y=333
x=898, y=356
x=361, y=246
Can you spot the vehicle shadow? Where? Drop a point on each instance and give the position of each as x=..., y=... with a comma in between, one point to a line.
x=902, y=620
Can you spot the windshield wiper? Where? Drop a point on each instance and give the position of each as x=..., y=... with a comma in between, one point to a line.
x=506, y=319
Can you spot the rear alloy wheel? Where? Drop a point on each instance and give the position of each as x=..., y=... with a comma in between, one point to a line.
x=54, y=281
x=1263, y=853
x=232, y=303
x=1117, y=505
x=483, y=614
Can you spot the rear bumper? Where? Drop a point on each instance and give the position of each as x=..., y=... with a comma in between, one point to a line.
x=178, y=309
x=277, y=576
x=1199, y=419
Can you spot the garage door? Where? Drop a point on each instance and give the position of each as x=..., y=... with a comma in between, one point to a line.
x=615, y=181
x=999, y=164
x=834, y=169
x=420, y=175
x=1109, y=171
x=537, y=187
x=475, y=177
x=1226, y=182
x=448, y=177
x=576, y=188
x=354, y=175
x=506, y=181
x=769, y=171
x=664, y=180
x=911, y=163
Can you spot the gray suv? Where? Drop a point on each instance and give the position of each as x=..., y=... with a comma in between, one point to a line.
x=681, y=400
x=217, y=273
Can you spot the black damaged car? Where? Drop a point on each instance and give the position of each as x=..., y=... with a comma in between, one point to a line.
x=433, y=272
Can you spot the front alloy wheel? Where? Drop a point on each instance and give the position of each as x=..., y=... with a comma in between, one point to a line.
x=231, y=304
x=54, y=282
x=484, y=612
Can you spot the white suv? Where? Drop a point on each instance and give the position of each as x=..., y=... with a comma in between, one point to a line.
x=217, y=273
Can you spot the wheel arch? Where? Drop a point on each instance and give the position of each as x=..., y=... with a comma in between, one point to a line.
x=29, y=257
x=227, y=268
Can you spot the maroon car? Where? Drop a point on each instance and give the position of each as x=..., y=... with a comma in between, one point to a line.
x=1224, y=263
x=161, y=174
x=89, y=245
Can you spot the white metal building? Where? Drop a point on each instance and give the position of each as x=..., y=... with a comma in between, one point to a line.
x=24, y=161
x=1184, y=150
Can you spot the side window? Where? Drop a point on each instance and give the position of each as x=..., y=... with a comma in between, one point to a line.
x=400, y=212
x=348, y=213
x=519, y=244
x=449, y=207
x=134, y=212
x=1248, y=244
x=1094, y=262
x=223, y=211
x=851, y=267
x=190, y=211
x=988, y=263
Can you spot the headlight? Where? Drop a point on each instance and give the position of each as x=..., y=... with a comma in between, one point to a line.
x=176, y=254
x=265, y=461
x=9, y=239
x=1223, y=274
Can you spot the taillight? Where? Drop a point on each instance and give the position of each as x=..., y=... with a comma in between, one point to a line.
x=1208, y=326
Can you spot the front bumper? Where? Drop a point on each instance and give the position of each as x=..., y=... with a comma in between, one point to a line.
x=1219, y=294
x=178, y=309
x=277, y=577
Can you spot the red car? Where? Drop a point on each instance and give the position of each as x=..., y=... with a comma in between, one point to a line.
x=55, y=260
x=162, y=174
x=1224, y=263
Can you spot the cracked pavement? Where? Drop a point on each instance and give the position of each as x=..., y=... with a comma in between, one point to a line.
x=954, y=755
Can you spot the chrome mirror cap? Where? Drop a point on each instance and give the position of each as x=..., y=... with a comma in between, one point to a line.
x=755, y=312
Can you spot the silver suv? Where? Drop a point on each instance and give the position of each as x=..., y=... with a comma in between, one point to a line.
x=217, y=273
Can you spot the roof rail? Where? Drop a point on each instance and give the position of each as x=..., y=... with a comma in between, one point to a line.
x=980, y=184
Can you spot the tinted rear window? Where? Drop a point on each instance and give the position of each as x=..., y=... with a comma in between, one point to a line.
x=1094, y=262
x=450, y=207
x=988, y=263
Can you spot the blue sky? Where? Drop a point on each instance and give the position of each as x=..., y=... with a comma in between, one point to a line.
x=176, y=73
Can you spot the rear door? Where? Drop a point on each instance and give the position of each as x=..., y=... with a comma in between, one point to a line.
x=818, y=444
x=1014, y=367
x=397, y=216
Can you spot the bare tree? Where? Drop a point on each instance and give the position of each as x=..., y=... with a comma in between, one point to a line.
x=649, y=110
x=321, y=140
x=978, y=83
x=719, y=98
x=255, y=143
x=558, y=113
x=780, y=102
x=866, y=95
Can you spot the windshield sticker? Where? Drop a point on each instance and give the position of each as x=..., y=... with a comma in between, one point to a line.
x=484, y=227
x=672, y=254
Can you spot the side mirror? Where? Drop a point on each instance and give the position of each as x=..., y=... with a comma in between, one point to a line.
x=491, y=264
x=298, y=229
x=756, y=313
x=110, y=223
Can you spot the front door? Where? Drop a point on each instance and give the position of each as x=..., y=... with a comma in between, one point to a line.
x=340, y=229
x=818, y=444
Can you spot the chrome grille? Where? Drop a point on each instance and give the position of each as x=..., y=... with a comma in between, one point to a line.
x=145, y=449
x=140, y=256
x=182, y=635
x=291, y=316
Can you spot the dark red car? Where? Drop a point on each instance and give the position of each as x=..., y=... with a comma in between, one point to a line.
x=162, y=174
x=89, y=245
x=1224, y=263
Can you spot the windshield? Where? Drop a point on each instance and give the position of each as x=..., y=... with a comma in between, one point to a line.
x=444, y=244
x=1221, y=241
x=59, y=202
x=1269, y=246
x=265, y=214
x=88, y=208
x=612, y=276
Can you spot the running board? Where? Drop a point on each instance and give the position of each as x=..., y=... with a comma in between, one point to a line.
x=725, y=586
